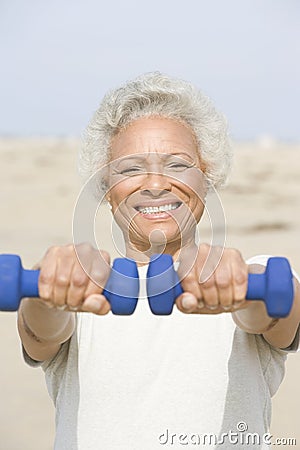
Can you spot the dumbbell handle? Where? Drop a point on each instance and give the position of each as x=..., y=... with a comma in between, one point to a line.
x=29, y=283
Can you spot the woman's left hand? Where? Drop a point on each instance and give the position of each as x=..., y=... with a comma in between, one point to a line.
x=216, y=283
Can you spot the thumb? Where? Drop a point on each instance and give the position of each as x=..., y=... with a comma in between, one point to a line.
x=186, y=302
x=96, y=303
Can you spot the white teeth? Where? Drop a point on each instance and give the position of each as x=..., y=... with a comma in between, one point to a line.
x=158, y=209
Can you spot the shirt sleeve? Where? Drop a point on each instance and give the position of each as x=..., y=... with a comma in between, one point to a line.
x=262, y=260
x=56, y=359
x=28, y=360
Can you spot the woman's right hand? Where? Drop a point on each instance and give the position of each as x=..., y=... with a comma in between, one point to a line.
x=64, y=284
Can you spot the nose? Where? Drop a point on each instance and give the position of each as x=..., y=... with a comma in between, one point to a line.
x=156, y=184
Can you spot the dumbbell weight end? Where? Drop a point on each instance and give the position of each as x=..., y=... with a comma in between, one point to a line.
x=274, y=286
x=122, y=287
x=163, y=285
x=15, y=282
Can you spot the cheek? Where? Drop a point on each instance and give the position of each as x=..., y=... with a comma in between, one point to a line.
x=193, y=183
x=120, y=192
x=199, y=211
x=196, y=204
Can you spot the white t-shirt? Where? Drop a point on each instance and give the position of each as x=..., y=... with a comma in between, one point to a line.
x=146, y=382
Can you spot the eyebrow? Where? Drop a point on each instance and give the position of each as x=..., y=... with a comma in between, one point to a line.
x=119, y=161
x=182, y=154
x=141, y=157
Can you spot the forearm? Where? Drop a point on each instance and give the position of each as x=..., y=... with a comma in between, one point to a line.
x=254, y=319
x=45, y=325
x=283, y=333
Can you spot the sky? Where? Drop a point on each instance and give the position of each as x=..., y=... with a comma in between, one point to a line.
x=58, y=58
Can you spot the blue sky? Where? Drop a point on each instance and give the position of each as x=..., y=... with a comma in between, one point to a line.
x=58, y=59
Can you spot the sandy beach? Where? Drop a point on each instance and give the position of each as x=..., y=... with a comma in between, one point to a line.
x=39, y=187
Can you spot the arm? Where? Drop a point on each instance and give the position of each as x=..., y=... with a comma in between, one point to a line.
x=42, y=330
x=254, y=319
x=224, y=290
x=64, y=286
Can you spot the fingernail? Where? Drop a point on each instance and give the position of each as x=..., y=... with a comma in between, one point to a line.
x=188, y=302
x=237, y=305
x=212, y=307
x=74, y=308
x=227, y=308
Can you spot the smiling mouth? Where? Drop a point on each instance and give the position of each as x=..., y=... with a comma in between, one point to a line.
x=158, y=209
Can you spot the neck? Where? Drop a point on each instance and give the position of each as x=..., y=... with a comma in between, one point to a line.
x=142, y=255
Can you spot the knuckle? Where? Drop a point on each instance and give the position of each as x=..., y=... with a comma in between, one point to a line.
x=68, y=246
x=59, y=252
x=189, y=278
x=68, y=250
x=79, y=279
x=98, y=277
x=62, y=280
x=231, y=250
x=240, y=277
x=85, y=247
x=46, y=278
x=105, y=255
x=208, y=284
x=52, y=250
x=223, y=279
x=235, y=253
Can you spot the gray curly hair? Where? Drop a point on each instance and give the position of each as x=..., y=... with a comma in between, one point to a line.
x=157, y=94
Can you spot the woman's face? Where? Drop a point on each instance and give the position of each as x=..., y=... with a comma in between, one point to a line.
x=157, y=188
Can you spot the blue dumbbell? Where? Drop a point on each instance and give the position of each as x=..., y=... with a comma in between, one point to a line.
x=274, y=286
x=121, y=290
x=163, y=285
x=122, y=287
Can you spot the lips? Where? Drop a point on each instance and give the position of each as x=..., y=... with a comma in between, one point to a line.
x=157, y=209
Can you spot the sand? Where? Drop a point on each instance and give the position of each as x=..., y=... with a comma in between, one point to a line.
x=39, y=187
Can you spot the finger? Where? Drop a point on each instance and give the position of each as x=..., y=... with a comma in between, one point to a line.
x=63, y=272
x=224, y=284
x=78, y=284
x=190, y=284
x=47, y=275
x=187, y=260
x=210, y=259
x=98, y=277
x=240, y=280
x=209, y=293
x=97, y=304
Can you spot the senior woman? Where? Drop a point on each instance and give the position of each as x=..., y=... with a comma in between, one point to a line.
x=203, y=375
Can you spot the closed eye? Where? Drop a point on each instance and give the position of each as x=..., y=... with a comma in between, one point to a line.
x=180, y=166
x=131, y=170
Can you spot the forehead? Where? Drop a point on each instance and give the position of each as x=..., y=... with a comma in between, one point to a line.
x=154, y=134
